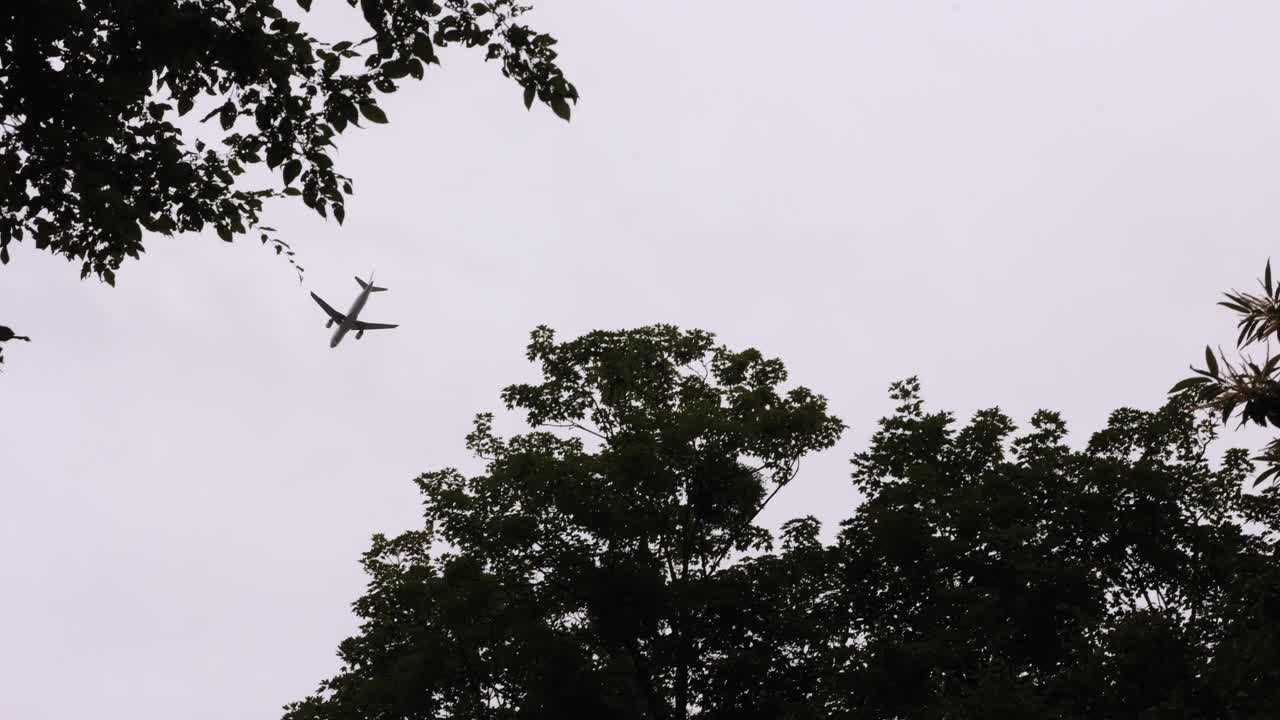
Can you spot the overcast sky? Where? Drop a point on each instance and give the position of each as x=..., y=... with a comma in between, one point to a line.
x=1027, y=204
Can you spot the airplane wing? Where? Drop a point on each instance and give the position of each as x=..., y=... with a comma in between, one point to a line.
x=333, y=314
x=362, y=325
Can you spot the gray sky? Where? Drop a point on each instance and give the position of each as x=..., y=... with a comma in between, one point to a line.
x=1028, y=204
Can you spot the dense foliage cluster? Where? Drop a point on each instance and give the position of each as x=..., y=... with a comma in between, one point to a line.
x=607, y=563
x=92, y=150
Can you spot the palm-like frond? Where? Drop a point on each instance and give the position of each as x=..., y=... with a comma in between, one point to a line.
x=1259, y=314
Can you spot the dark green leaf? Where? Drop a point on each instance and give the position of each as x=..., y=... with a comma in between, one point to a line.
x=1211, y=362
x=396, y=69
x=227, y=116
x=291, y=170
x=276, y=155
x=373, y=112
x=1188, y=383
x=560, y=107
x=529, y=92
x=422, y=47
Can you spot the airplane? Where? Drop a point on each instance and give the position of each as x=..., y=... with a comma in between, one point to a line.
x=351, y=320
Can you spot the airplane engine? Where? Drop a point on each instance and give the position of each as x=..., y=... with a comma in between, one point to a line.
x=359, y=334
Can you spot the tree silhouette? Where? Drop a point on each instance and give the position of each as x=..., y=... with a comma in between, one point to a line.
x=607, y=563
x=588, y=571
x=990, y=574
x=91, y=152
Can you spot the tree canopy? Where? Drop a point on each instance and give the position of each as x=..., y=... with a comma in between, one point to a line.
x=581, y=570
x=92, y=151
x=607, y=563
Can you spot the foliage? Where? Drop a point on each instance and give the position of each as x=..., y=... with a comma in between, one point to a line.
x=7, y=334
x=990, y=574
x=92, y=151
x=607, y=564
x=1251, y=386
x=590, y=570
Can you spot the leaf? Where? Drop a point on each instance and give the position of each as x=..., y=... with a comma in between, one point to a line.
x=339, y=213
x=396, y=69
x=423, y=48
x=110, y=277
x=292, y=191
x=373, y=112
x=342, y=46
x=1210, y=361
x=1226, y=410
x=291, y=170
x=276, y=155
x=529, y=92
x=1268, y=277
x=1266, y=474
x=349, y=111
x=227, y=116
x=4, y=256
x=305, y=5
x=1245, y=331
x=560, y=107
x=224, y=232
x=1188, y=383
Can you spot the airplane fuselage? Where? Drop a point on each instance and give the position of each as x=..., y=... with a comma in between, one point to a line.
x=351, y=321
x=352, y=315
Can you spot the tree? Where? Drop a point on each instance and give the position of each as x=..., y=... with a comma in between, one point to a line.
x=592, y=569
x=1249, y=385
x=607, y=563
x=92, y=153
x=988, y=575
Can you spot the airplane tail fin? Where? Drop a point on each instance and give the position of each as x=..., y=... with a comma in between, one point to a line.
x=371, y=288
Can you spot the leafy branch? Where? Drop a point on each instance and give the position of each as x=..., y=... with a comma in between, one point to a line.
x=1252, y=387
